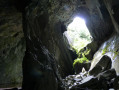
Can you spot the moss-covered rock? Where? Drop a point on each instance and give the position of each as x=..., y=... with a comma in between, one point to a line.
x=80, y=60
x=111, y=49
x=79, y=63
x=105, y=50
x=103, y=65
x=89, y=50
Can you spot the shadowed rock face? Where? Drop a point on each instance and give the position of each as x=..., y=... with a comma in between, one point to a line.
x=12, y=45
x=103, y=65
x=99, y=22
x=46, y=51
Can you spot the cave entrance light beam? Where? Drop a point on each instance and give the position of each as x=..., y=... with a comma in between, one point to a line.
x=77, y=34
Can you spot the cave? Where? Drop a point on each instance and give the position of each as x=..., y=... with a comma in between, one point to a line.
x=35, y=53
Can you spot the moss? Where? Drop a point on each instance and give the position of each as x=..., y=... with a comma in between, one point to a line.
x=80, y=60
x=87, y=51
x=105, y=50
x=115, y=54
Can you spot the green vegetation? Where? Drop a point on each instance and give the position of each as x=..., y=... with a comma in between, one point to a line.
x=115, y=54
x=87, y=51
x=105, y=49
x=83, y=52
x=80, y=60
x=78, y=37
x=114, y=51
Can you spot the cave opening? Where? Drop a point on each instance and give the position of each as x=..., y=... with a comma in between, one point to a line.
x=77, y=34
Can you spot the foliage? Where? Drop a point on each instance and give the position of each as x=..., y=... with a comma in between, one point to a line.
x=115, y=54
x=115, y=51
x=80, y=60
x=78, y=37
x=105, y=50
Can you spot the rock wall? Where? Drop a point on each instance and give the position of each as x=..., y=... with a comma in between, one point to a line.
x=113, y=8
x=110, y=46
x=12, y=45
x=47, y=56
x=99, y=21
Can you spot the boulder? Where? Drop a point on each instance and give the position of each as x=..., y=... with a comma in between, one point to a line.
x=78, y=66
x=103, y=65
x=89, y=50
x=116, y=83
x=103, y=80
x=107, y=75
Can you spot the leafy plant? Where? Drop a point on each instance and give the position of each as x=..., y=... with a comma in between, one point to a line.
x=78, y=37
x=80, y=60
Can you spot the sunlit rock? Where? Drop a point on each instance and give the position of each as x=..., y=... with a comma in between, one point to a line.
x=103, y=65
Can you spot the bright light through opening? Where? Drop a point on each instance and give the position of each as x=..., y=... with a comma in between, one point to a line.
x=77, y=34
x=77, y=24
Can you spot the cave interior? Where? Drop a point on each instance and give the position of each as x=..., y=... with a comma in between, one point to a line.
x=36, y=55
